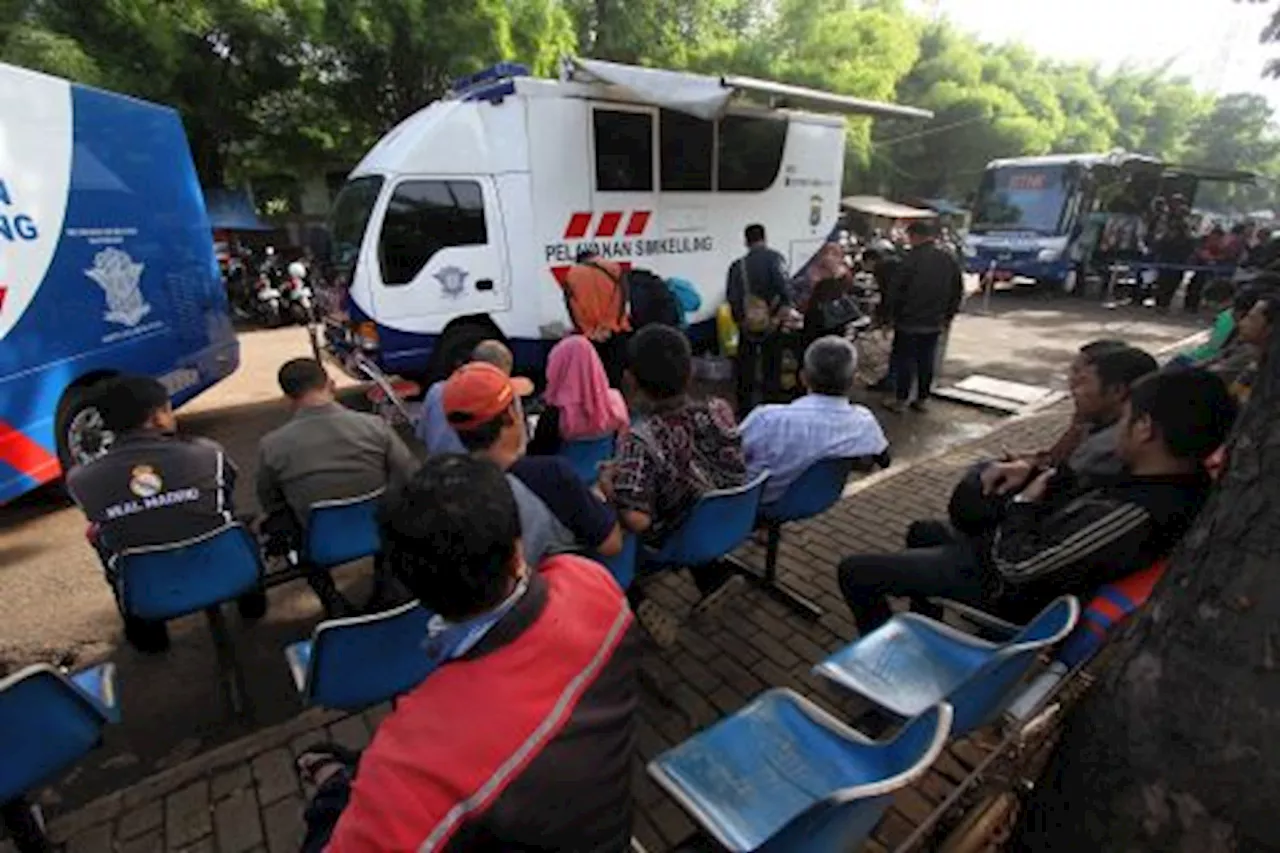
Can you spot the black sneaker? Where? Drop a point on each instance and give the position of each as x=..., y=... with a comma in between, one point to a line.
x=919, y=406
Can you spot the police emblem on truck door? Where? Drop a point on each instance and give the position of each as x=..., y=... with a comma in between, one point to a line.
x=452, y=281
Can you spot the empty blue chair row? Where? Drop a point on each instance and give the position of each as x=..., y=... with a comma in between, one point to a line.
x=784, y=775
x=586, y=454
x=359, y=661
x=911, y=663
x=48, y=722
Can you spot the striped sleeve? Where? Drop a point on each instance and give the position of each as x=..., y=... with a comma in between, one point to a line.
x=1089, y=537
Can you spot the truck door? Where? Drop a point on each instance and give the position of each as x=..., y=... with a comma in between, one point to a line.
x=625, y=186
x=440, y=250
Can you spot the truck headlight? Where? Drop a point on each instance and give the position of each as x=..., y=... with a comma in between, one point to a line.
x=969, y=251
x=1048, y=256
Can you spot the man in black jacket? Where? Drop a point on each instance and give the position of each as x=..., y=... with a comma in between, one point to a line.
x=760, y=273
x=921, y=304
x=1057, y=537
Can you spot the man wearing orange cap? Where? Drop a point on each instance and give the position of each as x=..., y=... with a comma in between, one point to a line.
x=557, y=511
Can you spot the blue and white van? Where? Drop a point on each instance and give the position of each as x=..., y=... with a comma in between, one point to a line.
x=106, y=267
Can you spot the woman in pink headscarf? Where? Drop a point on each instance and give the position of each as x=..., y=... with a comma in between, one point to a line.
x=580, y=403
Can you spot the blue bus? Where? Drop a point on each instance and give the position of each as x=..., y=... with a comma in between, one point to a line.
x=106, y=267
x=1041, y=218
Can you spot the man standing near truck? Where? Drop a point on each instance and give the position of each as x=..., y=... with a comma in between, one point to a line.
x=758, y=289
x=595, y=294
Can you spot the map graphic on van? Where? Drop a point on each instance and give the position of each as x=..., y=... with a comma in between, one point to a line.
x=452, y=281
x=119, y=275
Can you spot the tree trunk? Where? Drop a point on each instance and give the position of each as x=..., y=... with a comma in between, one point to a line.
x=1178, y=746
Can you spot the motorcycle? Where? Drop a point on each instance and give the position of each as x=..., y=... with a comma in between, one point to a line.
x=298, y=297
x=267, y=300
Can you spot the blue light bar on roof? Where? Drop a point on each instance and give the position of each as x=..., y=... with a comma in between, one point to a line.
x=501, y=71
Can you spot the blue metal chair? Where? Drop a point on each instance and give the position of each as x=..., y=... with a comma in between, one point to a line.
x=623, y=564
x=343, y=531
x=719, y=522
x=164, y=582
x=355, y=662
x=48, y=721
x=911, y=663
x=784, y=775
x=814, y=492
x=586, y=454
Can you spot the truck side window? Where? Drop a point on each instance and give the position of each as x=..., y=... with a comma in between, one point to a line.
x=687, y=144
x=750, y=152
x=624, y=151
x=424, y=217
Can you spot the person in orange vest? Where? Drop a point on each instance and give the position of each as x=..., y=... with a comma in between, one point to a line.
x=595, y=293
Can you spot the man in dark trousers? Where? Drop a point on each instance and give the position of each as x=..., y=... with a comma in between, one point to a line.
x=758, y=289
x=922, y=302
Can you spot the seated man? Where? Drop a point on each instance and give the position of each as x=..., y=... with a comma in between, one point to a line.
x=1059, y=537
x=325, y=452
x=678, y=450
x=786, y=440
x=433, y=428
x=491, y=753
x=153, y=487
x=1100, y=379
x=557, y=511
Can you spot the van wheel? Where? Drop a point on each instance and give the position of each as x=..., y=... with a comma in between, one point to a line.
x=82, y=434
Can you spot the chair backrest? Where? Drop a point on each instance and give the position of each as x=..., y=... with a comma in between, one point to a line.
x=719, y=522
x=168, y=581
x=585, y=454
x=623, y=564
x=46, y=725
x=984, y=695
x=844, y=818
x=363, y=660
x=1111, y=606
x=344, y=530
x=814, y=492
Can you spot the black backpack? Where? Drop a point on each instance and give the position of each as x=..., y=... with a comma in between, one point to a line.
x=651, y=300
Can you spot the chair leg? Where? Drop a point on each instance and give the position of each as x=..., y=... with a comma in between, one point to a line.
x=767, y=580
x=229, y=676
x=25, y=825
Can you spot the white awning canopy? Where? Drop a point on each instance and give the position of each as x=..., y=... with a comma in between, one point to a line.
x=874, y=205
x=708, y=97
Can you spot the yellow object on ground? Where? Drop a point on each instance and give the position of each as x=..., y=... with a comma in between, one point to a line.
x=726, y=331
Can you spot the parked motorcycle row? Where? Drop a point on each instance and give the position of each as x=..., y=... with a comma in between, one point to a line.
x=270, y=292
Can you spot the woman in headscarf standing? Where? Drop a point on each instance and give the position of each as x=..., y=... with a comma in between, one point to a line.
x=580, y=403
x=829, y=278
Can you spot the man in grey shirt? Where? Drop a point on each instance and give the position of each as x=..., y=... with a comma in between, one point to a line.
x=325, y=452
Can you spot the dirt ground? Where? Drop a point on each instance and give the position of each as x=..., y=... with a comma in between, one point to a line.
x=55, y=606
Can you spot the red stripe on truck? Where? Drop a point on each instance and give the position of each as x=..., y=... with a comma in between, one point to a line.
x=608, y=224
x=637, y=223
x=26, y=456
x=578, y=225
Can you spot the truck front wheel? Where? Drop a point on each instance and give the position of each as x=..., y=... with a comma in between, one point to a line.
x=82, y=434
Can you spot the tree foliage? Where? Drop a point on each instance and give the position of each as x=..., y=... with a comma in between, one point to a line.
x=290, y=87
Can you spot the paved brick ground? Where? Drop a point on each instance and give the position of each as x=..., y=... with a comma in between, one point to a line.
x=244, y=798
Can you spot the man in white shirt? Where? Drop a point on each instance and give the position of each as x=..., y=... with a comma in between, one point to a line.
x=787, y=439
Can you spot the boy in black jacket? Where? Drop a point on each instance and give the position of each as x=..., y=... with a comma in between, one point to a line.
x=1057, y=537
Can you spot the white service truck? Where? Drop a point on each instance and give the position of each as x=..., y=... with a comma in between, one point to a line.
x=470, y=211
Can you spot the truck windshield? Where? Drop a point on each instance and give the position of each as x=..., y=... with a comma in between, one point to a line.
x=350, y=218
x=1023, y=198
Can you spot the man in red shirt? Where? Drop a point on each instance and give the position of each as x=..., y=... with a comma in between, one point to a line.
x=595, y=293
x=522, y=739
